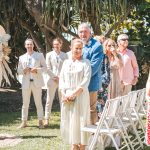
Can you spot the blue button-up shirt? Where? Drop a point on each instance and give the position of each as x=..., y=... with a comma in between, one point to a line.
x=93, y=51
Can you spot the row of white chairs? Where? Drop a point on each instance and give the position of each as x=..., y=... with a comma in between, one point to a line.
x=121, y=117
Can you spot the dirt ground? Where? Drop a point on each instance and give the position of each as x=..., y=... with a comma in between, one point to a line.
x=11, y=100
x=7, y=140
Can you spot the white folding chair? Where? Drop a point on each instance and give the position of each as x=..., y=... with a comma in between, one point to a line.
x=137, y=97
x=142, y=103
x=107, y=125
x=121, y=114
x=129, y=121
x=134, y=99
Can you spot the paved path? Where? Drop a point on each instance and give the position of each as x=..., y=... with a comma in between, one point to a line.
x=7, y=140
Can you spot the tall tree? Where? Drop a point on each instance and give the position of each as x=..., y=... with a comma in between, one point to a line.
x=43, y=20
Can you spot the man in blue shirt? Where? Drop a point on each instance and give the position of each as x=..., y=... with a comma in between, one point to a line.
x=92, y=51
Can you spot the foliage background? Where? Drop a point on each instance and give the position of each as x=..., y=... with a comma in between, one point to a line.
x=44, y=20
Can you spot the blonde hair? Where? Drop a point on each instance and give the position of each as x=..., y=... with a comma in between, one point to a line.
x=76, y=40
x=106, y=43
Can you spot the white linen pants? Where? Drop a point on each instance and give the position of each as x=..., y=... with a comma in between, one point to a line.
x=37, y=94
x=51, y=90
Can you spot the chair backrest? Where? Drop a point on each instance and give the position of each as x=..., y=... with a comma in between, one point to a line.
x=113, y=107
x=103, y=116
x=106, y=119
x=137, y=99
x=114, y=111
x=133, y=98
x=141, y=100
x=125, y=100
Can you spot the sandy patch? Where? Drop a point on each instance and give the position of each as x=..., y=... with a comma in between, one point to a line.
x=7, y=140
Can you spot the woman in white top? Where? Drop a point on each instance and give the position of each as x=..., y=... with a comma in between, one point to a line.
x=75, y=109
x=54, y=61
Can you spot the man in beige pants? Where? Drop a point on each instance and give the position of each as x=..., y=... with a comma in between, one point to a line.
x=54, y=61
x=31, y=66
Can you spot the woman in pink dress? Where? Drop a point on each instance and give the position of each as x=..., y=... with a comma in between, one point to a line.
x=115, y=65
x=148, y=111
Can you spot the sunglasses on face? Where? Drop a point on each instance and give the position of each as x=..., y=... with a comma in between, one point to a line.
x=124, y=39
x=111, y=45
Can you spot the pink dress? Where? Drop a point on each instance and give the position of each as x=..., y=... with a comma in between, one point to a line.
x=147, y=135
x=115, y=82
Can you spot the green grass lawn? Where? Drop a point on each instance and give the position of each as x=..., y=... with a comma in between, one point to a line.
x=34, y=138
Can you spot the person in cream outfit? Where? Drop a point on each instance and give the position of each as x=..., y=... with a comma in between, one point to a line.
x=31, y=66
x=54, y=61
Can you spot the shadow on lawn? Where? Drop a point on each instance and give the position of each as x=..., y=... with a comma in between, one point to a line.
x=11, y=104
x=9, y=118
x=37, y=136
x=51, y=126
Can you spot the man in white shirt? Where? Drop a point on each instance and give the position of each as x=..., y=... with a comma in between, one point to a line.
x=54, y=61
x=31, y=65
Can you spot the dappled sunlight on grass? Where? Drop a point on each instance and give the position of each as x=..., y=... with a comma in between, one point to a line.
x=33, y=137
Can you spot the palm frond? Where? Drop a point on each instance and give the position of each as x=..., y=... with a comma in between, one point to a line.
x=4, y=74
x=1, y=76
x=7, y=68
x=5, y=50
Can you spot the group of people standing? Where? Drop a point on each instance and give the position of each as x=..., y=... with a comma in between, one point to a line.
x=119, y=69
x=91, y=70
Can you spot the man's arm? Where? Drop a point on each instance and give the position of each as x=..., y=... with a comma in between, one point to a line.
x=49, y=66
x=42, y=68
x=135, y=69
x=96, y=59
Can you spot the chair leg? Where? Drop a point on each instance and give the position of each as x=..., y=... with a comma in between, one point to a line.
x=114, y=141
x=125, y=140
